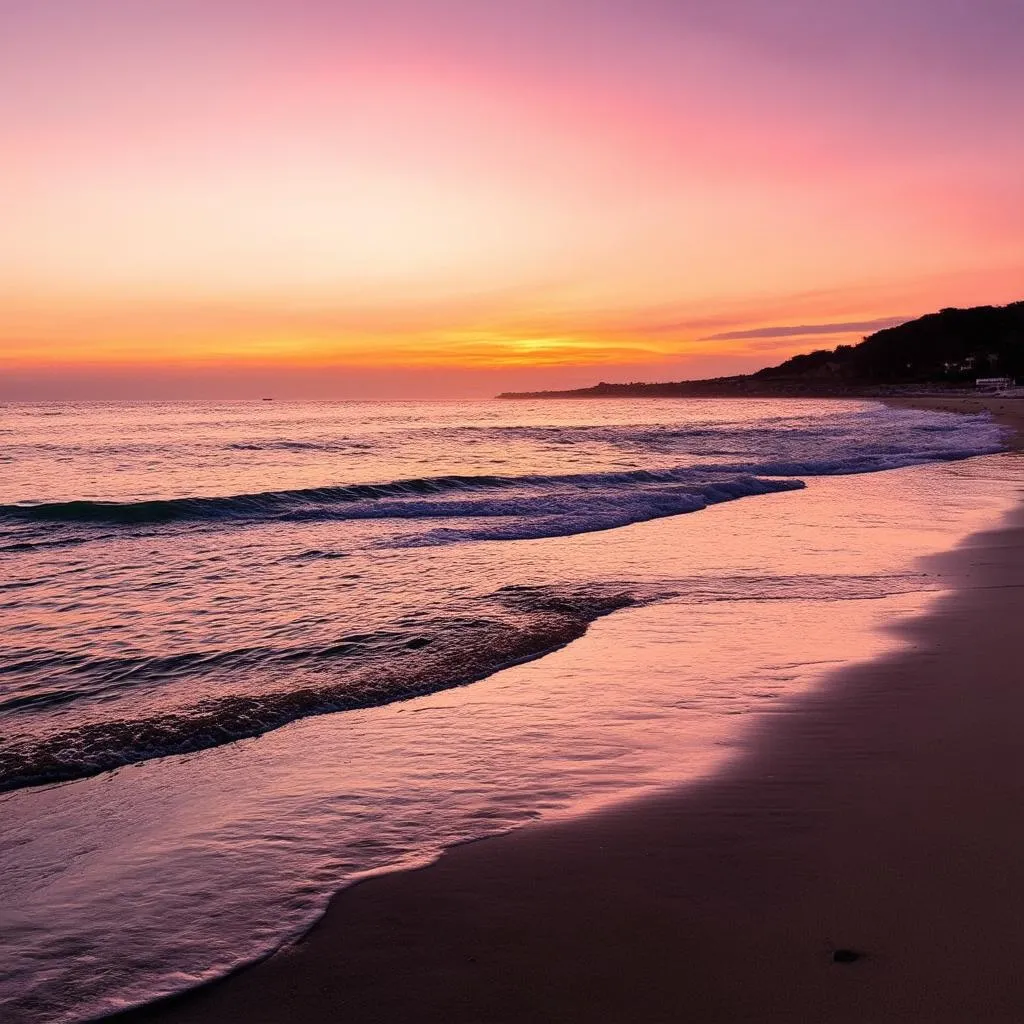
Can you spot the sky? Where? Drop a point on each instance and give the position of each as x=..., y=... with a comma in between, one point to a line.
x=449, y=198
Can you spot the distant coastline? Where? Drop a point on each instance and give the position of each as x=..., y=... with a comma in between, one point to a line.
x=746, y=387
x=938, y=354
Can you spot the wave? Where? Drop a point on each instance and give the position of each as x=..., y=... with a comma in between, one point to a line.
x=351, y=501
x=338, y=444
x=533, y=506
x=536, y=621
x=874, y=462
x=36, y=545
x=565, y=514
x=405, y=659
x=862, y=429
x=262, y=505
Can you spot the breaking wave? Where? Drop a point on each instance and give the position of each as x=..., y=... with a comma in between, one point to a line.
x=579, y=502
x=589, y=500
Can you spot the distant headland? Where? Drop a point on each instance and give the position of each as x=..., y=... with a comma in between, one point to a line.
x=948, y=349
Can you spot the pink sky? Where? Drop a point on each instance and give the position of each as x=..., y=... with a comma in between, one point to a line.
x=395, y=199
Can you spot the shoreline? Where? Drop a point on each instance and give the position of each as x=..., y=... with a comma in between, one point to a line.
x=726, y=899
x=1007, y=410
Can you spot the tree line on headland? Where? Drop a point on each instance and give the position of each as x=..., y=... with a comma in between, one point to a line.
x=948, y=349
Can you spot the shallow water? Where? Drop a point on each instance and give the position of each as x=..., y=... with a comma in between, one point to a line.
x=148, y=879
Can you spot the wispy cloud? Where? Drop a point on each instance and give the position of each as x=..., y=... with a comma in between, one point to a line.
x=863, y=326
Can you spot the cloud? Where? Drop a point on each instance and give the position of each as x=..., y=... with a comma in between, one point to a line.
x=862, y=326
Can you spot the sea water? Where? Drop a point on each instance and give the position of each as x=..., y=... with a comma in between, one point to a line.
x=256, y=651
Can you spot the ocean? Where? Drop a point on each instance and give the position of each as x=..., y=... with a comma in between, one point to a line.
x=257, y=651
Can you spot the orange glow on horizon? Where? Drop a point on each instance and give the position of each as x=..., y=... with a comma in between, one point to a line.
x=337, y=190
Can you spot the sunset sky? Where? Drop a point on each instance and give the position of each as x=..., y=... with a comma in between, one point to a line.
x=402, y=198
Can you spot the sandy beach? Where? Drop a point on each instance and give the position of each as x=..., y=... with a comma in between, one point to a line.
x=859, y=862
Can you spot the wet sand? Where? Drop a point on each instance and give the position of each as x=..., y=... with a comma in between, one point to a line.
x=880, y=816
